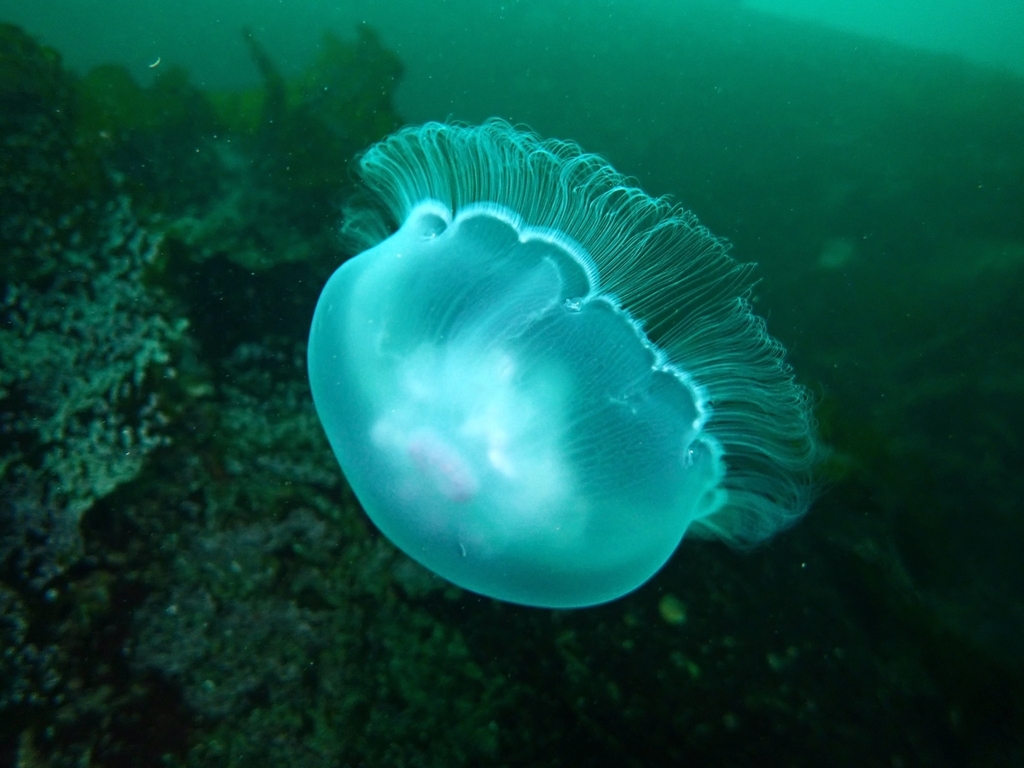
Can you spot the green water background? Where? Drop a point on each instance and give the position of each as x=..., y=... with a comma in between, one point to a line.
x=873, y=167
x=867, y=155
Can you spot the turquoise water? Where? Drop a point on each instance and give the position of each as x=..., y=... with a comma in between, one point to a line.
x=185, y=577
x=506, y=34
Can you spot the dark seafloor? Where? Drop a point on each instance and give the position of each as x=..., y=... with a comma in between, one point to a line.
x=185, y=579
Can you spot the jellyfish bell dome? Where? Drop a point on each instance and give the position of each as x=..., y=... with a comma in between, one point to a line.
x=537, y=379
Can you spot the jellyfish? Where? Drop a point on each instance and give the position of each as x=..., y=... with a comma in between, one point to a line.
x=536, y=378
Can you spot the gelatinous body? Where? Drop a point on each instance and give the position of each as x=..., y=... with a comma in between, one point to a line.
x=536, y=385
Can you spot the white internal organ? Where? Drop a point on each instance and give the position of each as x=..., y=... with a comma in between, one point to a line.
x=465, y=431
x=443, y=465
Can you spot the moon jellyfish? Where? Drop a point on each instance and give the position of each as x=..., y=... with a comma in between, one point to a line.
x=537, y=379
